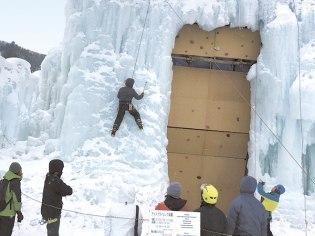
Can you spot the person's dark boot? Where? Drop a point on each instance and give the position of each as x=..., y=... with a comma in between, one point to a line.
x=115, y=128
x=139, y=123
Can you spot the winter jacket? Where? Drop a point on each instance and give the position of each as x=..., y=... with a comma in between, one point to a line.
x=246, y=214
x=269, y=200
x=212, y=219
x=125, y=94
x=172, y=204
x=121, y=220
x=14, y=191
x=54, y=190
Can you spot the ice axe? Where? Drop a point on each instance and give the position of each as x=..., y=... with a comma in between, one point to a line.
x=145, y=85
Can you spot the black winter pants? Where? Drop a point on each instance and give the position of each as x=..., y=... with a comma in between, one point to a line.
x=53, y=228
x=6, y=225
x=269, y=219
x=121, y=113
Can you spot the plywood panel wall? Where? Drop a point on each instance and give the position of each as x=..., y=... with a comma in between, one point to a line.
x=193, y=170
x=225, y=42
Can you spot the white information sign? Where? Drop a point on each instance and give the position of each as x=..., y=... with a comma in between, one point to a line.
x=174, y=223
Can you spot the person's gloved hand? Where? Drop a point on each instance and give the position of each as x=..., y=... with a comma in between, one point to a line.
x=20, y=216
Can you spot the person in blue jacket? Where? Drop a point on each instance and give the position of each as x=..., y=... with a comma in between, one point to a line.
x=270, y=200
x=247, y=216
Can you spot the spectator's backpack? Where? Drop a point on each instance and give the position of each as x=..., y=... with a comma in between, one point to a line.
x=3, y=188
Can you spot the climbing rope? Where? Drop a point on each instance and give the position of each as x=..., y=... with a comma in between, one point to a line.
x=304, y=179
x=145, y=21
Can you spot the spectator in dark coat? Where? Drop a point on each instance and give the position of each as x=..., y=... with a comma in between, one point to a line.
x=12, y=197
x=212, y=219
x=173, y=201
x=54, y=190
x=246, y=215
x=125, y=96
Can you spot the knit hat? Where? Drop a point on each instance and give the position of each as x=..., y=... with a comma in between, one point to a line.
x=280, y=188
x=174, y=189
x=56, y=165
x=15, y=167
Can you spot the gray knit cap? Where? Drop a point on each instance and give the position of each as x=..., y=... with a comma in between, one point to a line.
x=174, y=189
x=15, y=167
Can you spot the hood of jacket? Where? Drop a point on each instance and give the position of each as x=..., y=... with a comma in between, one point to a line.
x=56, y=165
x=174, y=204
x=10, y=175
x=130, y=82
x=248, y=184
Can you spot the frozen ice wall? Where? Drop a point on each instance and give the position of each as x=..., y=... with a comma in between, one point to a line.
x=107, y=41
x=18, y=93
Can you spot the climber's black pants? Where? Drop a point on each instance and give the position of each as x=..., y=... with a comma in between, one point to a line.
x=123, y=107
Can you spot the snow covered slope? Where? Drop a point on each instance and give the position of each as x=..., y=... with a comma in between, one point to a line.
x=68, y=111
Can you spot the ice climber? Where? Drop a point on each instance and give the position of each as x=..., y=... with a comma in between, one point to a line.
x=247, y=216
x=54, y=190
x=270, y=200
x=125, y=96
x=212, y=219
x=173, y=201
x=12, y=195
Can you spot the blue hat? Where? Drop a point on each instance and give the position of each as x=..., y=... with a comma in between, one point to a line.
x=280, y=188
x=174, y=189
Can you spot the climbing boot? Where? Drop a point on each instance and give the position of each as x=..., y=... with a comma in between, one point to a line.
x=139, y=123
x=115, y=128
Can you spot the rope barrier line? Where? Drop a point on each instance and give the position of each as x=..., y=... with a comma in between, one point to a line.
x=301, y=117
x=145, y=21
x=114, y=217
x=78, y=212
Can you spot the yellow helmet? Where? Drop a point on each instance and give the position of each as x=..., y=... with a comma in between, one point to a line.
x=210, y=194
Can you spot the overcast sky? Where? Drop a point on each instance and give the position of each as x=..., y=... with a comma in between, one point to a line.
x=37, y=25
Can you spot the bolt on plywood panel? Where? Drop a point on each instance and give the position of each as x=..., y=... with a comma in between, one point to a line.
x=237, y=43
x=225, y=175
x=185, y=141
x=190, y=82
x=225, y=144
x=188, y=113
x=228, y=86
x=192, y=40
x=228, y=116
x=186, y=169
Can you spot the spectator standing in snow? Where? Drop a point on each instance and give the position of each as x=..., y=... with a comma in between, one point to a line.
x=270, y=200
x=12, y=196
x=247, y=216
x=212, y=219
x=173, y=201
x=124, y=216
x=54, y=190
x=125, y=96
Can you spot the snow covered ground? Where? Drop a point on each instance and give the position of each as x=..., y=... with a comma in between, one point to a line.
x=67, y=109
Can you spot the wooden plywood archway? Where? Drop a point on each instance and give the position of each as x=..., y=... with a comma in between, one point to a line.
x=209, y=118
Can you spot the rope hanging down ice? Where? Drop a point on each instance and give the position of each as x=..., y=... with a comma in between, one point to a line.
x=145, y=21
x=301, y=117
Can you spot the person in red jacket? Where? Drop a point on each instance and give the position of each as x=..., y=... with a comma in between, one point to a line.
x=173, y=201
